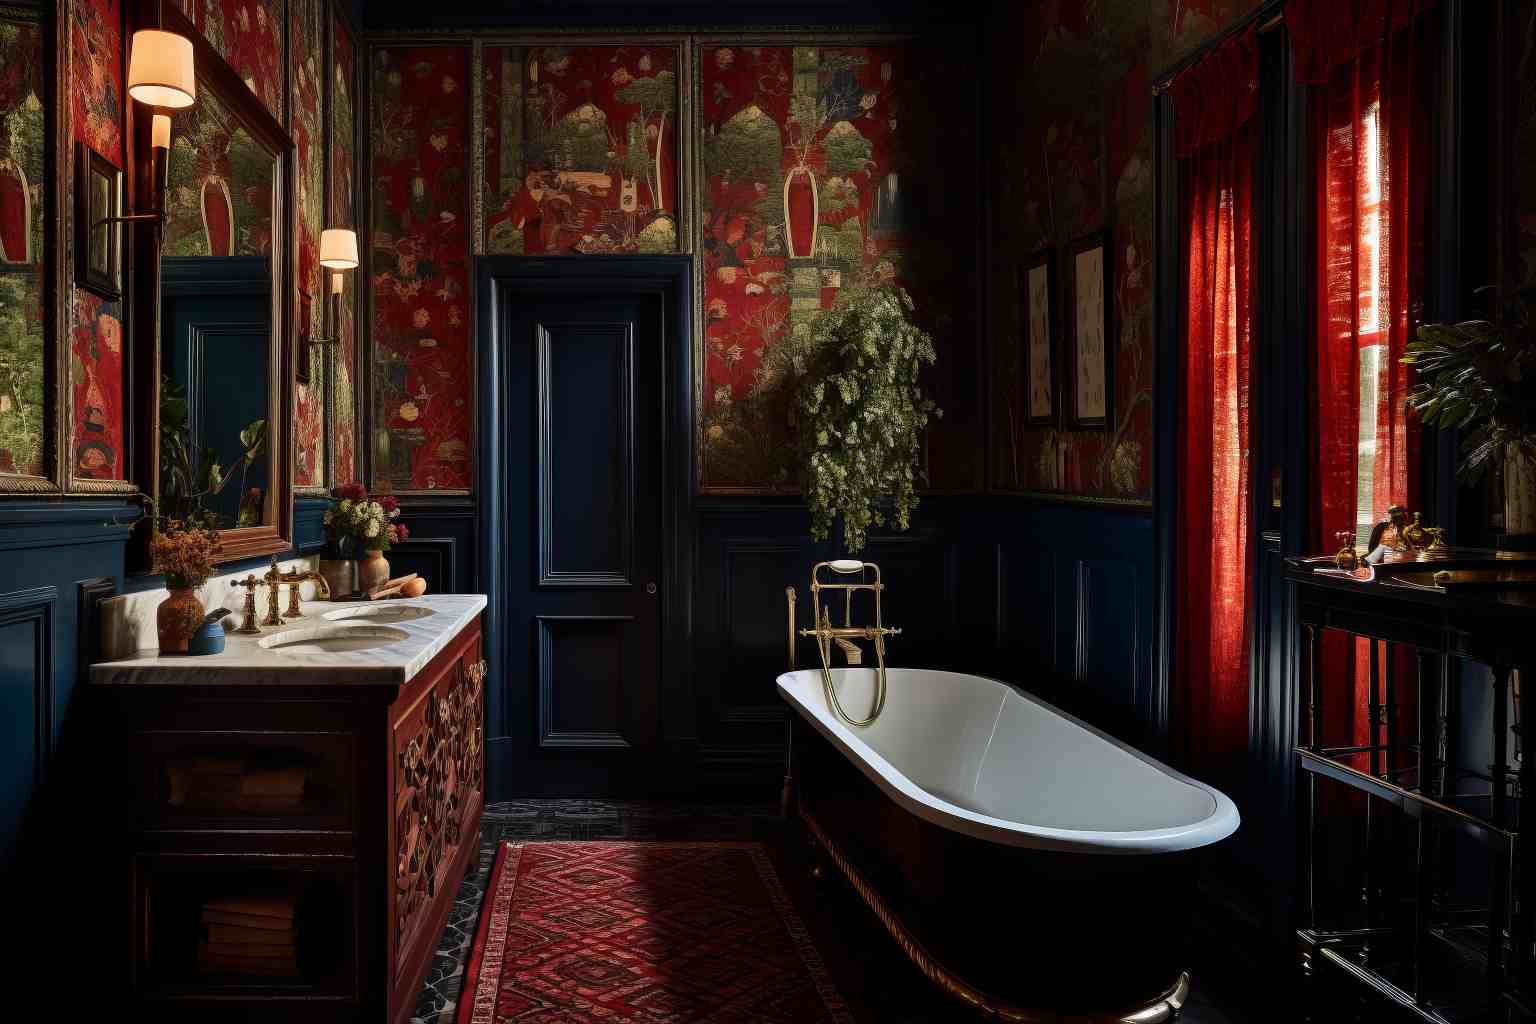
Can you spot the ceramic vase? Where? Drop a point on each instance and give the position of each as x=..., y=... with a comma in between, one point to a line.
x=178, y=618
x=340, y=575
x=372, y=570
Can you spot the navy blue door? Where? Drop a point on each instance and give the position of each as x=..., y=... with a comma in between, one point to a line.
x=583, y=435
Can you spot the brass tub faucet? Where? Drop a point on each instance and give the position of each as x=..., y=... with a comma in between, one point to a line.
x=844, y=636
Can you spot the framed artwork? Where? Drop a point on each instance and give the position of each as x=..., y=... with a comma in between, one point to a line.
x=1090, y=397
x=1037, y=294
x=98, y=246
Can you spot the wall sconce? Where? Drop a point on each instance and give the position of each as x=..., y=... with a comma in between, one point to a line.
x=162, y=73
x=338, y=253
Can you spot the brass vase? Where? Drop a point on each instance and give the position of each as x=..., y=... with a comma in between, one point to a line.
x=340, y=575
x=178, y=618
x=372, y=570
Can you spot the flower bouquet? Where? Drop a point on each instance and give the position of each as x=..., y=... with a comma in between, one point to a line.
x=363, y=528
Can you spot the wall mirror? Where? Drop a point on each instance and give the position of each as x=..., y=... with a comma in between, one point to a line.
x=221, y=292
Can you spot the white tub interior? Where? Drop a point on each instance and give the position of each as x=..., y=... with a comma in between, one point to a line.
x=979, y=757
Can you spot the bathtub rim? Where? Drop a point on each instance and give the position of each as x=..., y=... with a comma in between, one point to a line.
x=1222, y=822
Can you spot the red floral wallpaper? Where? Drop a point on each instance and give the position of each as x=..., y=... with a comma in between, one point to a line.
x=1075, y=154
x=798, y=200
x=344, y=468
x=309, y=194
x=96, y=359
x=249, y=35
x=580, y=149
x=423, y=392
x=23, y=261
x=96, y=332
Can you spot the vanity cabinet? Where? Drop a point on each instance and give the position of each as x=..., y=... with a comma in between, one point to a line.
x=292, y=851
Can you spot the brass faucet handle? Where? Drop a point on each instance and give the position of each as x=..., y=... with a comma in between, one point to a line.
x=293, y=611
x=248, y=612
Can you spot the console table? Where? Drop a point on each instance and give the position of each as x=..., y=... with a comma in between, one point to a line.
x=1401, y=932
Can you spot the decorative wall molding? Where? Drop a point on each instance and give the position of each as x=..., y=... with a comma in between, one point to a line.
x=33, y=615
x=549, y=735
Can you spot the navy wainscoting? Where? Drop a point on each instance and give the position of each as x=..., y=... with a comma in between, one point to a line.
x=60, y=558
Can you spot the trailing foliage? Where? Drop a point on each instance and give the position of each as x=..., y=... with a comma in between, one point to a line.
x=1474, y=376
x=861, y=411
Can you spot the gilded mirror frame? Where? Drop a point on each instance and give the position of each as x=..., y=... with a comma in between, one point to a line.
x=215, y=76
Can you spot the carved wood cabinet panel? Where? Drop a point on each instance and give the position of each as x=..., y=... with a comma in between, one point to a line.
x=439, y=784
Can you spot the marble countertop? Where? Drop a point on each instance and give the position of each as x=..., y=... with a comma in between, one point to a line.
x=440, y=618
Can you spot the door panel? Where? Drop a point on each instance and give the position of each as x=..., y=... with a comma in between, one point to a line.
x=586, y=446
x=583, y=437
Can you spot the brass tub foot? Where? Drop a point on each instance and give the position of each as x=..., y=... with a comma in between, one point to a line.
x=1165, y=1009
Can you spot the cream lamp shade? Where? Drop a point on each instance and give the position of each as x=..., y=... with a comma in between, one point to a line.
x=161, y=71
x=338, y=248
x=160, y=132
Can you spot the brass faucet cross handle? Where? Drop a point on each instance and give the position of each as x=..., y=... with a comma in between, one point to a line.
x=248, y=614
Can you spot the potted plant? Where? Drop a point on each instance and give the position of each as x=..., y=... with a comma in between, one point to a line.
x=188, y=476
x=861, y=411
x=1475, y=377
x=358, y=530
x=183, y=552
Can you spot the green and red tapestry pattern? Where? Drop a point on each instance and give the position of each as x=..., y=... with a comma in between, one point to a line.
x=248, y=34
x=802, y=195
x=219, y=185
x=1075, y=157
x=22, y=259
x=424, y=381
x=581, y=149
x=344, y=468
x=96, y=331
x=305, y=26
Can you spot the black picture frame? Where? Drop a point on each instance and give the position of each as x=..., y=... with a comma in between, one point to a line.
x=1090, y=341
x=98, y=246
x=1037, y=281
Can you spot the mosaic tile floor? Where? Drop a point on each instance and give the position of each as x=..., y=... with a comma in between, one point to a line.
x=882, y=987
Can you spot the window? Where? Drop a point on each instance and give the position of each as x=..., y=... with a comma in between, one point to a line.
x=1373, y=303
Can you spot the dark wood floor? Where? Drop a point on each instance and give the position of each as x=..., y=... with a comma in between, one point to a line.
x=878, y=982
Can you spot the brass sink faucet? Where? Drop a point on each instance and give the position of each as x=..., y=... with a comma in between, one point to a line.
x=293, y=579
x=274, y=580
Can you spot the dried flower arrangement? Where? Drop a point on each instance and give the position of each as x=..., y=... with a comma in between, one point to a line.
x=184, y=552
x=356, y=521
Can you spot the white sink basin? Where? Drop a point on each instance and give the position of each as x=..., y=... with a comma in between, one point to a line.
x=379, y=613
x=332, y=639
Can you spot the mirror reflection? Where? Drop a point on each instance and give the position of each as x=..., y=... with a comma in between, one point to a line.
x=23, y=140
x=216, y=308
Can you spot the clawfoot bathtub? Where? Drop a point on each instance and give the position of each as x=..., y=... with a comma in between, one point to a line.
x=1028, y=864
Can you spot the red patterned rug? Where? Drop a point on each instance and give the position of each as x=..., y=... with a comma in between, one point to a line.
x=621, y=932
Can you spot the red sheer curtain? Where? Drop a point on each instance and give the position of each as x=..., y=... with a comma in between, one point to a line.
x=1214, y=103
x=1368, y=65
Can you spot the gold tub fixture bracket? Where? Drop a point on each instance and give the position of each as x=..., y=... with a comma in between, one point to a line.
x=844, y=636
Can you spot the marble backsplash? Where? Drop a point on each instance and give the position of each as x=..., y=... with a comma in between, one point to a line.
x=128, y=620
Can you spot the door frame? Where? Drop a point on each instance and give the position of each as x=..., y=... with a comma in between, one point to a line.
x=500, y=280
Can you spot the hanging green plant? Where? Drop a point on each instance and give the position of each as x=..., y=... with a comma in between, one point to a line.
x=862, y=411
